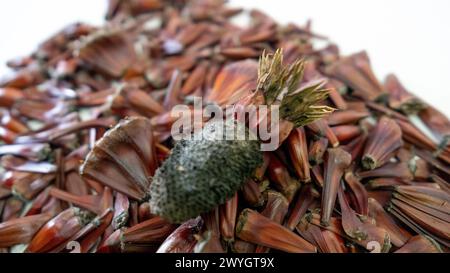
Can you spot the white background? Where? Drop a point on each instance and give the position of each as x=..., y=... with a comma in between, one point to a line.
x=408, y=37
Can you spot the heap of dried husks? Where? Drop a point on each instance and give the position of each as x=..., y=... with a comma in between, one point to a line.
x=371, y=176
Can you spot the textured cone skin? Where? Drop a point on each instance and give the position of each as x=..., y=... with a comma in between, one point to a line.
x=189, y=183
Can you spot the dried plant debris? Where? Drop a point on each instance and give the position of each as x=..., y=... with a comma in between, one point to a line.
x=87, y=154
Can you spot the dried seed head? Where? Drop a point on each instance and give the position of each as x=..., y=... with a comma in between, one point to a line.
x=297, y=105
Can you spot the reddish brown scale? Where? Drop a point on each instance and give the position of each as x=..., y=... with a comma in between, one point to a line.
x=227, y=220
x=100, y=225
x=111, y=243
x=345, y=133
x=355, y=147
x=420, y=244
x=401, y=99
x=145, y=212
x=414, y=136
x=182, y=239
x=281, y=178
x=88, y=234
x=322, y=128
x=74, y=184
x=441, y=182
x=89, y=202
x=125, y=172
x=335, y=95
x=317, y=172
x=358, y=191
x=108, y=53
x=195, y=79
x=303, y=202
x=275, y=209
x=317, y=150
x=361, y=230
x=335, y=164
x=298, y=151
x=11, y=209
x=377, y=107
x=11, y=123
x=133, y=218
x=398, y=235
x=385, y=139
x=356, y=72
x=121, y=207
x=209, y=241
x=241, y=246
x=7, y=135
x=58, y=230
x=255, y=228
x=151, y=232
x=252, y=193
x=394, y=170
x=239, y=53
x=233, y=82
x=385, y=183
x=326, y=241
x=21, y=230
x=9, y=95
x=173, y=91
x=346, y=117
x=131, y=97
